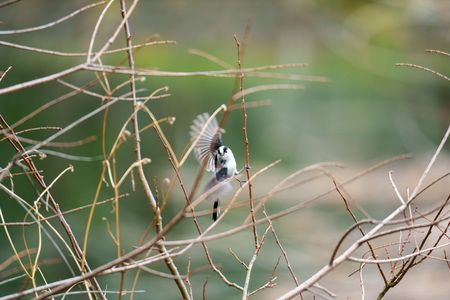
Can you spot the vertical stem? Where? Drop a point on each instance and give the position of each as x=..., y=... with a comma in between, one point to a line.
x=117, y=221
x=247, y=155
x=116, y=205
x=147, y=190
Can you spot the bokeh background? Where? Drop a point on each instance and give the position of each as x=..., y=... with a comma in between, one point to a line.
x=368, y=111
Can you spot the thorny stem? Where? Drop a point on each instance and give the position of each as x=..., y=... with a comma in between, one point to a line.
x=169, y=261
x=247, y=155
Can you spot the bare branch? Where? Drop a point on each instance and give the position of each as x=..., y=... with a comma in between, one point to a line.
x=51, y=24
x=81, y=54
x=40, y=80
x=247, y=154
x=3, y=73
x=423, y=69
x=267, y=87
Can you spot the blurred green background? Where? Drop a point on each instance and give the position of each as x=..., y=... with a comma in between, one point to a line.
x=368, y=111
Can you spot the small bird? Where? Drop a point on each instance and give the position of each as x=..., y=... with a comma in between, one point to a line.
x=214, y=156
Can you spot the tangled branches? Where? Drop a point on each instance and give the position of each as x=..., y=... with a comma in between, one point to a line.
x=401, y=239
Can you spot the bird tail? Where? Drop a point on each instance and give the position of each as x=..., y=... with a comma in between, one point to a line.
x=216, y=210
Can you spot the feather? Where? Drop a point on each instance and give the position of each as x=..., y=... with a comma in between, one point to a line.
x=209, y=141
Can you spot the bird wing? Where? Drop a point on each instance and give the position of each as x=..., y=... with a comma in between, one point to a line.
x=208, y=142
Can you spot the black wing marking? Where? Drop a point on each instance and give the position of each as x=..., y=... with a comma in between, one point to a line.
x=209, y=141
x=222, y=174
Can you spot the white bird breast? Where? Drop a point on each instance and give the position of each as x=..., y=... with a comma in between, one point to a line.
x=224, y=187
x=231, y=163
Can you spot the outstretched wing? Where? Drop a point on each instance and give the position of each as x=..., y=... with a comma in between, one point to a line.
x=208, y=142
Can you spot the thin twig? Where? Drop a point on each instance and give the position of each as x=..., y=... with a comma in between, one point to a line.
x=386, y=261
x=41, y=80
x=238, y=259
x=437, y=52
x=353, y=247
x=204, y=289
x=286, y=259
x=8, y=2
x=423, y=69
x=80, y=54
x=361, y=281
x=252, y=262
x=53, y=23
x=210, y=57
x=110, y=267
x=76, y=209
x=3, y=73
x=266, y=87
x=217, y=73
x=347, y=207
x=244, y=129
x=169, y=261
x=74, y=244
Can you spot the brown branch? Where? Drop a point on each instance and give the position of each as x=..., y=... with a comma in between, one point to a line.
x=3, y=73
x=294, y=208
x=238, y=259
x=244, y=129
x=423, y=69
x=372, y=221
x=14, y=258
x=188, y=203
x=50, y=104
x=74, y=244
x=64, y=284
x=353, y=247
x=8, y=2
x=60, y=144
x=251, y=72
x=29, y=223
x=210, y=57
x=286, y=259
x=437, y=52
x=204, y=289
x=408, y=265
x=51, y=24
x=347, y=207
x=41, y=80
x=448, y=261
x=252, y=262
x=147, y=190
x=266, y=87
x=78, y=54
